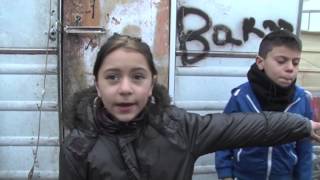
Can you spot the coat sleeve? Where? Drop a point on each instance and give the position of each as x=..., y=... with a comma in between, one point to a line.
x=73, y=153
x=206, y=134
x=224, y=159
x=303, y=168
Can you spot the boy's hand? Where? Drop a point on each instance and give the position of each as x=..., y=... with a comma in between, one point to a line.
x=315, y=131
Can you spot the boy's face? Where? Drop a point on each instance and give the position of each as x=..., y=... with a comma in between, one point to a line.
x=281, y=65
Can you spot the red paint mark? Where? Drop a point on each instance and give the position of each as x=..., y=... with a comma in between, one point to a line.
x=316, y=108
x=161, y=44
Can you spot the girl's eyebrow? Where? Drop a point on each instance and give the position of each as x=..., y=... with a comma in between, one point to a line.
x=139, y=69
x=118, y=70
x=110, y=70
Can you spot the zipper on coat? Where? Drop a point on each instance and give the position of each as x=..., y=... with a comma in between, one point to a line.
x=269, y=160
x=257, y=110
x=293, y=103
x=294, y=156
x=238, y=154
x=253, y=105
x=270, y=148
x=286, y=110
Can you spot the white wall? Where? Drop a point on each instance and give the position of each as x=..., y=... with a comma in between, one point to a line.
x=310, y=22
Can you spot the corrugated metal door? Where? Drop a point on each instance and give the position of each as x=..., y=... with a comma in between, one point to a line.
x=29, y=89
x=216, y=42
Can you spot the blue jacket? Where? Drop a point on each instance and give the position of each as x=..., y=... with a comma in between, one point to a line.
x=282, y=162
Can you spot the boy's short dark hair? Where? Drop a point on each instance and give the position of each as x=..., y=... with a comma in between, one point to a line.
x=279, y=38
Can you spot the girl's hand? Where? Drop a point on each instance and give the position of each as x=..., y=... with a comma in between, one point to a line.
x=315, y=131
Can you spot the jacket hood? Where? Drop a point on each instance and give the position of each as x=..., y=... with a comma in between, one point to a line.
x=79, y=110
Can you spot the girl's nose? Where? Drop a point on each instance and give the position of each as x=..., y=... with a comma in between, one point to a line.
x=125, y=86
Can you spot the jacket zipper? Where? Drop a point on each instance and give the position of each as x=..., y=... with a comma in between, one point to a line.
x=257, y=110
x=269, y=160
x=269, y=165
x=290, y=105
x=286, y=110
x=253, y=105
x=295, y=157
x=238, y=154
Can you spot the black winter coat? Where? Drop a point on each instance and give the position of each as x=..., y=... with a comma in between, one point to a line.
x=168, y=144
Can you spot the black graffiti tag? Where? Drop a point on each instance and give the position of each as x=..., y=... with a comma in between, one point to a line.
x=228, y=33
x=282, y=24
x=248, y=27
x=184, y=37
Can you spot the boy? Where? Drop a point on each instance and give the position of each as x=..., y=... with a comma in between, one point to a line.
x=270, y=87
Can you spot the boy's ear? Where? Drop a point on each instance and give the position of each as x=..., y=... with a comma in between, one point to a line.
x=260, y=62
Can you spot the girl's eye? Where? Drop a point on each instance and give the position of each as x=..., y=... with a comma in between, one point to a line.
x=112, y=77
x=139, y=77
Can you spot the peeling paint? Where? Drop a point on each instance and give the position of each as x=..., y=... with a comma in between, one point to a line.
x=110, y=4
x=89, y=56
x=79, y=50
x=126, y=15
x=132, y=30
x=82, y=12
x=115, y=21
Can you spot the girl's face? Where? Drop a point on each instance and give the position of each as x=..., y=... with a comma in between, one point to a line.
x=281, y=65
x=124, y=83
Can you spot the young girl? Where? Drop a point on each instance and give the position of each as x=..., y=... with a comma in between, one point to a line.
x=126, y=129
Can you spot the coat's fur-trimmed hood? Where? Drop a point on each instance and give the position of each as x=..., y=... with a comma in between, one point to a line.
x=79, y=110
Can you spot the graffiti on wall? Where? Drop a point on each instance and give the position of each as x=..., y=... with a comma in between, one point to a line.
x=248, y=27
x=93, y=6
